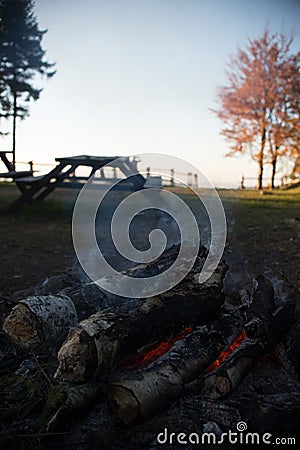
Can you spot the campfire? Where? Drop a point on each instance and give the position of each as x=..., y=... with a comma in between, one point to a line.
x=144, y=355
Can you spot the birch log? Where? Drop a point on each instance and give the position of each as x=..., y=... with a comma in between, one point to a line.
x=40, y=319
x=139, y=394
x=107, y=337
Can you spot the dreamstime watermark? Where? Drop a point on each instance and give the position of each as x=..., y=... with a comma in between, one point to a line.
x=86, y=219
x=239, y=436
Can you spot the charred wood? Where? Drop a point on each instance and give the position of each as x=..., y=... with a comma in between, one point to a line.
x=68, y=403
x=261, y=307
x=231, y=372
x=287, y=352
x=139, y=394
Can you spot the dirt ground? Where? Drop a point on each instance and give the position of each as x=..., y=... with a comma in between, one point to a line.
x=263, y=237
x=35, y=243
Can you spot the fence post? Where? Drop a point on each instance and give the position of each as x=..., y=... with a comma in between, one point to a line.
x=243, y=182
x=172, y=178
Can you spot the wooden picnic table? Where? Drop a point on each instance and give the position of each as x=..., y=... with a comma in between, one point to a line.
x=35, y=188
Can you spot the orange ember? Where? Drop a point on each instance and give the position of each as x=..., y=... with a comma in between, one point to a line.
x=149, y=356
x=236, y=343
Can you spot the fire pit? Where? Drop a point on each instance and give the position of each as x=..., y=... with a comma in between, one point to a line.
x=190, y=359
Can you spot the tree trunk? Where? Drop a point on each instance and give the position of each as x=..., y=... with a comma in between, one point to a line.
x=274, y=166
x=15, y=113
x=139, y=394
x=261, y=159
x=108, y=337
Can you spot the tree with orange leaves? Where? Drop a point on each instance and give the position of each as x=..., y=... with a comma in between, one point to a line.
x=259, y=105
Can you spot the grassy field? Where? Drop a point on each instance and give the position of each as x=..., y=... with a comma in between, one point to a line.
x=263, y=237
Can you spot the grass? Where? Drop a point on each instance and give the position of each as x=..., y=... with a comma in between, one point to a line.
x=263, y=235
x=263, y=198
x=266, y=231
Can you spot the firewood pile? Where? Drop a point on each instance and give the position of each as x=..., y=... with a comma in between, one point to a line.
x=82, y=366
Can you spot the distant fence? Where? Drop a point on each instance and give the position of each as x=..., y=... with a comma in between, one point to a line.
x=175, y=178
x=190, y=179
x=251, y=182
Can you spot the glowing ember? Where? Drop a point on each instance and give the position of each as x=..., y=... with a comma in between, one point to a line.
x=149, y=356
x=145, y=358
x=236, y=343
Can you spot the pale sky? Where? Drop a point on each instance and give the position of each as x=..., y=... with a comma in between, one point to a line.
x=137, y=76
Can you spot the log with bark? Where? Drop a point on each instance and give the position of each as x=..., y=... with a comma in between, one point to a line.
x=232, y=371
x=137, y=395
x=261, y=307
x=40, y=320
x=46, y=319
x=106, y=338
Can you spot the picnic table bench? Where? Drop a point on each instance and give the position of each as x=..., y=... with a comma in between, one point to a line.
x=35, y=188
x=11, y=172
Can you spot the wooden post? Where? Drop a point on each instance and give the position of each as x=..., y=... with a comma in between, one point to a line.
x=172, y=178
x=243, y=182
x=14, y=130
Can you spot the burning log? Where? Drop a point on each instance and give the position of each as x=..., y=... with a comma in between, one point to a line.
x=40, y=319
x=139, y=394
x=231, y=372
x=107, y=337
x=227, y=377
x=259, y=314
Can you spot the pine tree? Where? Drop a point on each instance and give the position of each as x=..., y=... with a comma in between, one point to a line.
x=21, y=59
